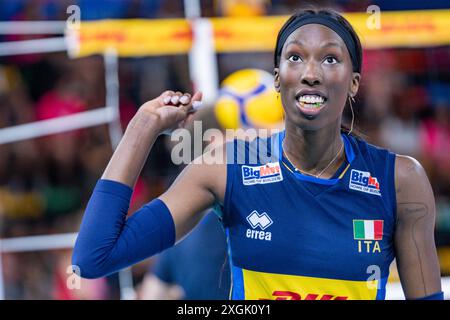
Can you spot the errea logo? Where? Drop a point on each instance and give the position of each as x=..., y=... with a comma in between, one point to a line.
x=259, y=221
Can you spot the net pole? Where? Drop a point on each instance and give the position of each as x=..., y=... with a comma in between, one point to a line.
x=111, y=61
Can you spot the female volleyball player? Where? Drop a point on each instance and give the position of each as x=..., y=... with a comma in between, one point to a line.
x=321, y=218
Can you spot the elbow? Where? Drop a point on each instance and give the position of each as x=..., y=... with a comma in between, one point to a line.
x=86, y=266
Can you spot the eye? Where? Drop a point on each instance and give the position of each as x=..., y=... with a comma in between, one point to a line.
x=330, y=60
x=294, y=58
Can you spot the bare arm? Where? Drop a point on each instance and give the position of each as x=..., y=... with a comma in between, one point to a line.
x=417, y=261
x=152, y=118
x=194, y=190
x=109, y=241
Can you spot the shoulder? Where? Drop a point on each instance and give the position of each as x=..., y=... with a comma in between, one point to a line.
x=413, y=189
x=408, y=171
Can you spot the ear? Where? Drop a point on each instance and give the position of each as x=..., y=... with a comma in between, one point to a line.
x=276, y=74
x=354, y=86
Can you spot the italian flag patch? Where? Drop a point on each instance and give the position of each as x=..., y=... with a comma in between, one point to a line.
x=368, y=229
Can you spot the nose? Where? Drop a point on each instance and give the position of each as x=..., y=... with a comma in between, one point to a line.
x=312, y=74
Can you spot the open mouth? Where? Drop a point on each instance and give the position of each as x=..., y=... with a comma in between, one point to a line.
x=310, y=104
x=311, y=101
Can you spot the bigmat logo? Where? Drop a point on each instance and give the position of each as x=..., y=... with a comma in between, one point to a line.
x=364, y=182
x=268, y=173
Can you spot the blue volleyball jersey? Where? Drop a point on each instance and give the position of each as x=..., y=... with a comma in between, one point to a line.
x=294, y=237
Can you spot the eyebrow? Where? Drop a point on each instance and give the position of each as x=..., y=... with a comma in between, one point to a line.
x=301, y=44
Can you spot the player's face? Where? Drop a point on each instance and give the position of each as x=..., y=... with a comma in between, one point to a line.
x=315, y=77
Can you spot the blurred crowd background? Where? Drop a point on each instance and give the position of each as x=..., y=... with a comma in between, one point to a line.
x=403, y=104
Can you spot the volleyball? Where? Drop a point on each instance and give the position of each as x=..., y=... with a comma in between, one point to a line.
x=247, y=99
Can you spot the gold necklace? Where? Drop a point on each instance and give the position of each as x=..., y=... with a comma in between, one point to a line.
x=307, y=173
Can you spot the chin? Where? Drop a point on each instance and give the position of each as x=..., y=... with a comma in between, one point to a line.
x=309, y=123
x=302, y=121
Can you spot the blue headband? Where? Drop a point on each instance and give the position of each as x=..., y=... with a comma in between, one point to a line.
x=328, y=21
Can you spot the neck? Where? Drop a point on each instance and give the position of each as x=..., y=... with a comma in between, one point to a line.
x=312, y=151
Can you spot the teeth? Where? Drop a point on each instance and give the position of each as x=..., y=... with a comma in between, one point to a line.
x=310, y=105
x=309, y=98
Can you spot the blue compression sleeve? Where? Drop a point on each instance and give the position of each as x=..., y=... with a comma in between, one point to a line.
x=434, y=296
x=108, y=241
